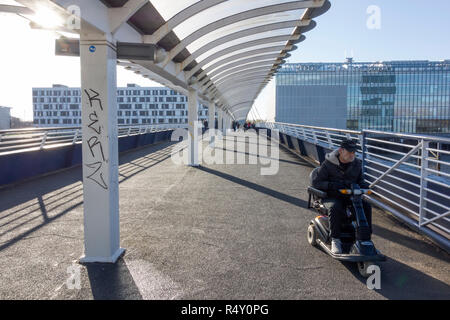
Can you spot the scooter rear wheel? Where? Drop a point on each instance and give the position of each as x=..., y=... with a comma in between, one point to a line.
x=312, y=236
x=363, y=268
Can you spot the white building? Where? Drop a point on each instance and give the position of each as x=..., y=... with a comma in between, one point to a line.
x=61, y=106
x=5, y=118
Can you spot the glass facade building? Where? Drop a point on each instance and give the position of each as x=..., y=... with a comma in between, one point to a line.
x=397, y=96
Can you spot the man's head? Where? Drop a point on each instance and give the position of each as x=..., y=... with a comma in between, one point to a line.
x=347, y=151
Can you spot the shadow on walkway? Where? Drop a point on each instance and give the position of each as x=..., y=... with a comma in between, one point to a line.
x=67, y=189
x=402, y=282
x=411, y=243
x=270, y=192
x=112, y=281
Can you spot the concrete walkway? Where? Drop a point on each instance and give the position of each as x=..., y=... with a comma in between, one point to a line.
x=212, y=232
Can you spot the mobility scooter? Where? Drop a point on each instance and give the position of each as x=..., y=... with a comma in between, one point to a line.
x=355, y=236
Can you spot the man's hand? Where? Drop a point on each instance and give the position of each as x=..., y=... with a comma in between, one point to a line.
x=336, y=185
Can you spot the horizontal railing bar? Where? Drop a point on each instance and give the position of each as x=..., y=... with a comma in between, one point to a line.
x=438, y=172
x=396, y=178
x=399, y=170
x=398, y=196
x=437, y=204
x=440, y=194
x=437, y=150
x=413, y=136
x=394, y=160
x=438, y=161
x=390, y=142
x=393, y=185
x=392, y=151
x=396, y=203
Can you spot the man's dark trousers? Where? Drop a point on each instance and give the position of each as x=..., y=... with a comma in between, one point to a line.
x=337, y=214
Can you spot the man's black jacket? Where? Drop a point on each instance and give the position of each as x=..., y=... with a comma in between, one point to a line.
x=331, y=177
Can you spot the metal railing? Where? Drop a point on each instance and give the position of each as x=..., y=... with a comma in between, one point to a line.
x=20, y=140
x=409, y=174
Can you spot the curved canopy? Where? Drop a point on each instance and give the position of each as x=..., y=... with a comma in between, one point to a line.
x=227, y=50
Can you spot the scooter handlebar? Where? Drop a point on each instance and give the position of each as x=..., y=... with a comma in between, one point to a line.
x=355, y=192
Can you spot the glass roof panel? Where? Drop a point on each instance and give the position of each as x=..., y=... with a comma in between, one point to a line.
x=243, y=40
x=272, y=49
x=245, y=57
x=255, y=57
x=220, y=76
x=243, y=25
x=167, y=9
x=218, y=12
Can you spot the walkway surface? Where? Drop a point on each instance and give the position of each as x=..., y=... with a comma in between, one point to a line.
x=212, y=232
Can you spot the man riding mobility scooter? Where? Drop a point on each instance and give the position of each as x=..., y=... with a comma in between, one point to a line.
x=355, y=234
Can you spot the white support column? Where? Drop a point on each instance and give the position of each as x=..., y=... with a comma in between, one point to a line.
x=219, y=119
x=212, y=120
x=100, y=150
x=224, y=125
x=193, y=128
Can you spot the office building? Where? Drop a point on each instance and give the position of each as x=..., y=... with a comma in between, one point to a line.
x=60, y=106
x=5, y=118
x=398, y=96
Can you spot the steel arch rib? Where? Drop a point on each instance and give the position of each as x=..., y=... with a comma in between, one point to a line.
x=242, y=72
x=255, y=78
x=238, y=35
x=260, y=75
x=234, y=92
x=227, y=74
x=239, y=17
x=240, y=67
x=182, y=16
x=249, y=44
x=233, y=65
x=247, y=81
x=232, y=62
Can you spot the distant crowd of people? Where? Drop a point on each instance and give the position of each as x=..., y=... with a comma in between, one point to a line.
x=235, y=125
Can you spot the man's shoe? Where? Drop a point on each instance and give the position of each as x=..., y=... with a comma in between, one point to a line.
x=336, y=246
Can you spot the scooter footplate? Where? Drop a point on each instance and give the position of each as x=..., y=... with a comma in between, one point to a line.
x=351, y=257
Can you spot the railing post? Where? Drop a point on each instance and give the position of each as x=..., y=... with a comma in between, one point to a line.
x=75, y=137
x=330, y=143
x=363, y=151
x=129, y=131
x=315, y=137
x=44, y=138
x=423, y=181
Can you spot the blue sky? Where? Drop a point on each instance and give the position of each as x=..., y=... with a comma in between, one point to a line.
x=410, y=30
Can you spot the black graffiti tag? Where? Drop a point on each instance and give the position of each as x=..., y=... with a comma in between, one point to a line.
x=94, y=98
x=97, y=176
x=94, y=143
x=94, y=118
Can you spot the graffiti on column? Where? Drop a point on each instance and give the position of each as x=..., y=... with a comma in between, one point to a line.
x=94, y=142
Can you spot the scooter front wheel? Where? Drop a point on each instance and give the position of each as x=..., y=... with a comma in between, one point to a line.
x=363, y=268
x=312, y=236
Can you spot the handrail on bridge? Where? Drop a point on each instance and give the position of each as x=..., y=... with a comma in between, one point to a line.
x=409, y=173
x=27, y=139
